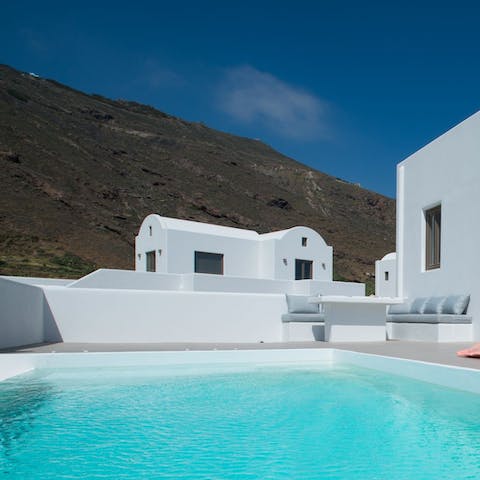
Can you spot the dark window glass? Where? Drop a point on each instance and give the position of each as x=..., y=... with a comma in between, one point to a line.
x=303, y=269
x=304, y=241
x=433, y=231
x=386, y=276
x=150, y=258
x=209, y=263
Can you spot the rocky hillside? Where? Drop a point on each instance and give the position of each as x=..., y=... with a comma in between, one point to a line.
x=79, y=173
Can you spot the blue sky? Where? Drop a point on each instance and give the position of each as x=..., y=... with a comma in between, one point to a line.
x=350, y=88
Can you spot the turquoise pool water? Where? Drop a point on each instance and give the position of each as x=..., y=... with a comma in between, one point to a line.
x=265, y=423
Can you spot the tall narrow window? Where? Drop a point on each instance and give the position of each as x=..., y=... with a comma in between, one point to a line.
x=304, y=241
x=386, y=276
x=209, y=263
x=150, y=259
x=303, y=269
x=433, y=233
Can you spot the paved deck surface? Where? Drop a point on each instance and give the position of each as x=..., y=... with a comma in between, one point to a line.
x=443, y=353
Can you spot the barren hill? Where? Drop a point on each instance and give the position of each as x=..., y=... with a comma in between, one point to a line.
x=79, y=173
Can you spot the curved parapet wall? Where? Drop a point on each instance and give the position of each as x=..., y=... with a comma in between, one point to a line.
x=386, y=276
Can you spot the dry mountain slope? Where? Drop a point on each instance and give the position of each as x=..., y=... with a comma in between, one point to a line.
x=79, y=172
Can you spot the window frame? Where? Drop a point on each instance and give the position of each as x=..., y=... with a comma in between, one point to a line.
x=433, y=237
x=151, y=261
x=213, y=254
x=302, y=269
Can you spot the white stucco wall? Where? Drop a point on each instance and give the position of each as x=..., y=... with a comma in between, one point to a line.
x=288, y=246
x=386, y=287
x=132, y=280
x=146, y=242
x=21, y=314
x=128, y=279
x=131, y=316
x=446, y=172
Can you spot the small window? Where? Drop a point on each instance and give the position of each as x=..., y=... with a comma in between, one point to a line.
x=433, y=231
x=209, y=263
x=386, y=276
x=150, y=258
x=304, y=241
x=303, y=269
x=150, y=230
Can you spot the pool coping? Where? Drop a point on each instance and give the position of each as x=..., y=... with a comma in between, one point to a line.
x=450, y=376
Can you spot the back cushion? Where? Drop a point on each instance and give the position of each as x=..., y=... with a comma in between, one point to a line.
x=418, y=305
x=456, y=304
x=399, y=308
x=300, y=304
x=434, y=305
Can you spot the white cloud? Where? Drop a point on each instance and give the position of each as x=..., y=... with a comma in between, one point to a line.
x=158, y=76
x=253, y=97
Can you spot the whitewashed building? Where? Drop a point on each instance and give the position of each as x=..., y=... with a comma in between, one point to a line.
x=170, y=245
x=438, y=213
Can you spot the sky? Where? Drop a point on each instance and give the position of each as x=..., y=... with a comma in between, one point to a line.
x=347, y=87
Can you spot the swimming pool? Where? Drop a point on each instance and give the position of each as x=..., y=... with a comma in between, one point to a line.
x=297, y=420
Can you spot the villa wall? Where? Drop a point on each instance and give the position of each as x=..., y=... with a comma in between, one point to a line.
x=21, y=314
x=387, y=265
x=446, y=172
x=131, y=316
x=132, y=280
x=289, y=247
x=129, y=279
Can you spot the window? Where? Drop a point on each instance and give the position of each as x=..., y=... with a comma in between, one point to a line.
x=150, y=230
x=433, y=231
x=386, y=276
x=209, y=263
x=304, y=241
x=150, y=258
x=303, y=269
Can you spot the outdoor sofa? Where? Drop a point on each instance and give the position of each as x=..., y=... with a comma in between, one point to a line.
x=441, y=319
x=303, y=321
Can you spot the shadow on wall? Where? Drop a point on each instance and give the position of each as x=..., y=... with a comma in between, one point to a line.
x=318, y=332
x=51, y=333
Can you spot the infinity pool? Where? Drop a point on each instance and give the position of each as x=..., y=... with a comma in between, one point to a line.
x=288, y=422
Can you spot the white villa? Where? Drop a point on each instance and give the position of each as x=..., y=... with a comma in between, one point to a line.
x=437, y=235
x=170, y=245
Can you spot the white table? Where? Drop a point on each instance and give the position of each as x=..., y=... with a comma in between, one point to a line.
x=355, y=319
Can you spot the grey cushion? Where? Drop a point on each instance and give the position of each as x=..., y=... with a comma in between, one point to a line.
x=303, y=317
x=428, y=318
x=399, y=308
x=418, y=305
x=456, y=304
x=434, y=305
x=300, y=304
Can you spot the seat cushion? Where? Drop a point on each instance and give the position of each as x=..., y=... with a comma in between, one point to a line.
x=303, y=317
x=456, y=304
x=300, y=304
x=428, y=318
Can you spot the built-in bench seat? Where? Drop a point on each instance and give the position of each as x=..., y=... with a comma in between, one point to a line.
x=304, y=321
x=440, y=319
